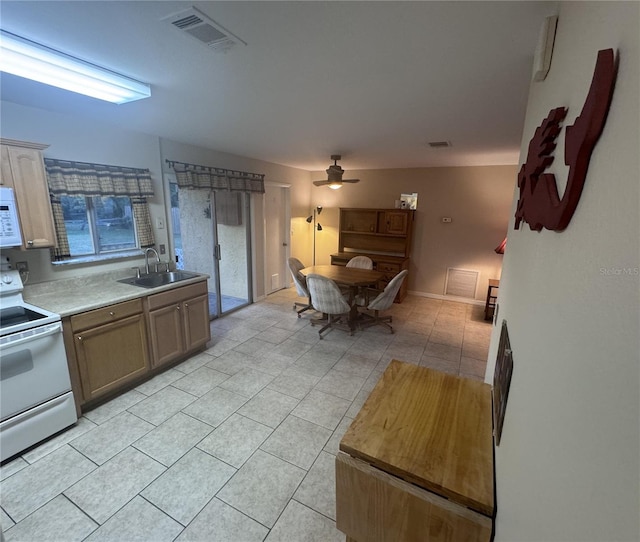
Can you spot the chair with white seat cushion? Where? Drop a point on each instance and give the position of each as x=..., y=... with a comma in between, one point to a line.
x=382, y=303
x=327, y=298
x=295, y=266
x=361, y=262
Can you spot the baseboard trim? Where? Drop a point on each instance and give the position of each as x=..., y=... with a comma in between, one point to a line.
x=467, y=300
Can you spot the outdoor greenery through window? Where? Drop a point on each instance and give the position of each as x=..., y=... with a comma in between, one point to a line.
x=98, y=224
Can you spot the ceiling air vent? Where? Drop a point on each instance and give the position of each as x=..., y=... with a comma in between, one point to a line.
x=200, y=27
x=439, y=144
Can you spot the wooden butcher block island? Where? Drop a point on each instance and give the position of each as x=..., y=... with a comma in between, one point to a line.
x=417, y=461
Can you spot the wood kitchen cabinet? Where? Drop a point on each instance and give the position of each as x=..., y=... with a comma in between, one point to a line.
x=110, y=347
x=384, y=235
x=23, y=170
x=178, y=322
x=417, y=463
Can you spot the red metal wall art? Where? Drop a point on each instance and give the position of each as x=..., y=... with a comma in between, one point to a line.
x=539, y=203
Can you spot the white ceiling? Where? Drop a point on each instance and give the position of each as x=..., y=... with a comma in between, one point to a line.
x=373, y=81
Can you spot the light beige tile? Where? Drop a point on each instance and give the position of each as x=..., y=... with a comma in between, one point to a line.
x=200, y=381
x=137, y=520
x=222, y=523
x=5, y=521
x=162, y=405
x=235, y=440
x=221, y=346
x=159, y=381
x=294, y=382
x=443, y=351
x=318, y=489
x=57, y=520
x=215, y=406
x=297, y=441
x=356, y=364
x=473, y=367
x=475, y=350
x=254, y=347
x=269, y=407
x=106, y=440
x=172, y=439
x=442, y=365
x=247, y=382
x=262, y=487
x=12, y=467
x=29, y=489
x=298, y=522
x=448, y=336
x=275, y=335
x=322, y=409
x=341, y=384
x=103, y=492
x=228, y=363
x=82, y=426
x=333, y=444
x=115, y=406
x=185, y=488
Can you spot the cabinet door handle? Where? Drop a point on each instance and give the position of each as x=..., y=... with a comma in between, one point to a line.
x=177, y=307
x=80, y=338
x=111, y=313
x=30, y=243
x=186, y=305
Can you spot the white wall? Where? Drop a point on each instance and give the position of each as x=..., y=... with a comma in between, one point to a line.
x=569, y=461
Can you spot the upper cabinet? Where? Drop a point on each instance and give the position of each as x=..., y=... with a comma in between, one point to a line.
x=384, y=235
x=23, y=170
x=383, y=231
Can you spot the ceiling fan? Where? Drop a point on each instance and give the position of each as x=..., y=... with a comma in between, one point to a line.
x=334, y=174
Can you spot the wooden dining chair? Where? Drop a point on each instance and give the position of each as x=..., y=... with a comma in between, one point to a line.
x=382, y=303
x=295, y=266
x=327, y=298
x=361, y=262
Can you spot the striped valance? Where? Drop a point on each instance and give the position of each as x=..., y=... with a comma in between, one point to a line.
x=212, y=178
x=80, y=178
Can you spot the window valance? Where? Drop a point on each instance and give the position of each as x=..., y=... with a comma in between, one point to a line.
x=81, y=178
x=212, y=178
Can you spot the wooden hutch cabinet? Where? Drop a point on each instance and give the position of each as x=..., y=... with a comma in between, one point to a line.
x=384, y=235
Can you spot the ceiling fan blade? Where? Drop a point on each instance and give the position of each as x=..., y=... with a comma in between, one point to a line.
x=350, y=180
x=321, y=183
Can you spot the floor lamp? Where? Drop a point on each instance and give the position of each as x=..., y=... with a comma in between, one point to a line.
x=316, y=227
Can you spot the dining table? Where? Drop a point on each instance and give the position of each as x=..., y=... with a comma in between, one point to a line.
x=353, y=278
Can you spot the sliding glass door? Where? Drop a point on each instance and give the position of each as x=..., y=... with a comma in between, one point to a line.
x=211, y=232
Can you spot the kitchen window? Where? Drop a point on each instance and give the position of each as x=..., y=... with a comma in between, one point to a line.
x=98, y=224
x=100, y=211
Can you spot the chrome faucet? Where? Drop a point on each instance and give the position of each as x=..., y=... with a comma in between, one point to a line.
x=146, y=259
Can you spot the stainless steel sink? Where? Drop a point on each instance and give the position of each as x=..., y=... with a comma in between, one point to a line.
x=153, y=280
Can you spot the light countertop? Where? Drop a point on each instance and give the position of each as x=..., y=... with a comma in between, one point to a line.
x=80, y=294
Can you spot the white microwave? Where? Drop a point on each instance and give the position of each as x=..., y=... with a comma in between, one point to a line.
x=9, y=226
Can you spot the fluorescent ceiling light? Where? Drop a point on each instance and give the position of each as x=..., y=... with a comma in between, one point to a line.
x=31, y=60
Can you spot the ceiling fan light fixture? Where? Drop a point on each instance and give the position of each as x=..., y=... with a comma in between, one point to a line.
x=334, y=175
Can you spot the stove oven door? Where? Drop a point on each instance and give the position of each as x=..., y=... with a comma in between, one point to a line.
x=35, y=389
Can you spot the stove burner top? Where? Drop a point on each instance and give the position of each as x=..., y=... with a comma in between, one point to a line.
x=11, y=316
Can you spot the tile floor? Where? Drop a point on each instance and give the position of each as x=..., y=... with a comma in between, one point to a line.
x=238, y=442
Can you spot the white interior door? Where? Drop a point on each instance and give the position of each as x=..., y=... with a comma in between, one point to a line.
x=277, y=220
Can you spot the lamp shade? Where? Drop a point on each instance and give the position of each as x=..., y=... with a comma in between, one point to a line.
x=500, y=248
